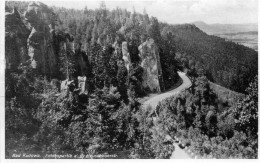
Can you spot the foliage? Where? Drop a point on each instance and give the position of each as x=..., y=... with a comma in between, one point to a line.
x=154, y=142
x=246, y=111
x=224, y=62
x=21, y=100
x=211, y=132
x=88, y=125
x=67, y=60
x=41, y=118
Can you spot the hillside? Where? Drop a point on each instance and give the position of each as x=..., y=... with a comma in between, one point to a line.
x=226, y=95
x=209, y=124
x=224, y=62
x=198, y=49
x=73, y=79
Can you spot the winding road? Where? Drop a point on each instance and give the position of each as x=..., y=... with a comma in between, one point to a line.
x=178, y=153
x=153, y=102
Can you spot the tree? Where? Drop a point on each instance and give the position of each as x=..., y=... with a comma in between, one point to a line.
x=122, y=79
x=246, y=111
x=68, y=64
x=22, y=98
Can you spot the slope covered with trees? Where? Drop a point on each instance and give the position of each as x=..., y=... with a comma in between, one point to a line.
x=224, y=62
x=211, y=127
x=43, y=116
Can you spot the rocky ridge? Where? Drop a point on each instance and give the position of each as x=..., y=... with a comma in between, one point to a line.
x=32, y=37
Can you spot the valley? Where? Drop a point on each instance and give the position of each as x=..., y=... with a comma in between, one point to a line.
x=243, y=34
x=248, y=39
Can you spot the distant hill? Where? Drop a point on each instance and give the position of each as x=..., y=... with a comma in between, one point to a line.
x=213, y=29
x=226, y=63
x=243, y=33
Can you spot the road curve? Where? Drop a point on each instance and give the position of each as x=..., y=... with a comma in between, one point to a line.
x=153, y=102
x=178, y=153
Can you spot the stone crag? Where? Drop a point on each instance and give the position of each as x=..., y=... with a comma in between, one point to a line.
x=31, y=37
x=41, y=20
x=16, y=34
x=150, y=61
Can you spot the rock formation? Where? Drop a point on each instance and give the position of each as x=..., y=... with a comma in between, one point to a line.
x=126, y=55
x=32, y=37
x=16, y=34
x=82, y=83
x=41, y=20
x=150, y=61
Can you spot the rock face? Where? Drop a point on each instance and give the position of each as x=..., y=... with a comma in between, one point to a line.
x=16, y=34
x=150, y=61
x=41, y=20
x=32, y=38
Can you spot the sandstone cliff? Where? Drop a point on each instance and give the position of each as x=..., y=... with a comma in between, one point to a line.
x=150, y=61
x=32, y=37
x=41, y=20
x=16, y=34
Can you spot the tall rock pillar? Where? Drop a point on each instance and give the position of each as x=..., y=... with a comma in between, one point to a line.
x=150, y=61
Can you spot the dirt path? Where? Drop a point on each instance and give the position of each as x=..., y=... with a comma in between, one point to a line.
x=155, y=99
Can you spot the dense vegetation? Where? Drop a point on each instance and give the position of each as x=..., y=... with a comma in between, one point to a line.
x=224, y=62
x=210, y=126
x=41, y=118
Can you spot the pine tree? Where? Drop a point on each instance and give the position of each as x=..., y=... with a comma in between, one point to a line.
x=67, y=58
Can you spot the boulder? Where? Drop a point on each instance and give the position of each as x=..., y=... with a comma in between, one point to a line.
x=150, y=61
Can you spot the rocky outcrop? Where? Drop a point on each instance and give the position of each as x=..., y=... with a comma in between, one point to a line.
x=82, y=84
x=150, y=61
x=126, y=55
x=41, y=20
x=16, y=34
x=32, y=37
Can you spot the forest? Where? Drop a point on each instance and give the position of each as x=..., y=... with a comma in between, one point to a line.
x=213, y=127
x=44, y=117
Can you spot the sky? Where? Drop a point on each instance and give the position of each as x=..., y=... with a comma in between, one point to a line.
x=180, y=11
